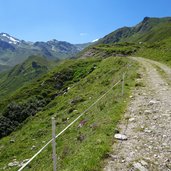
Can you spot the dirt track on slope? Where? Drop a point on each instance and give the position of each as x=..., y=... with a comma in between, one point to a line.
x=146, y=123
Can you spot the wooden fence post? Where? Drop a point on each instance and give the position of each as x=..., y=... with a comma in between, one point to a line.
x=54, y=143
x=123, y=83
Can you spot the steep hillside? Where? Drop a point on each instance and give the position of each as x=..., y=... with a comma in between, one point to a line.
x=40, y=92
x=64, y=93
x=106, y=50
x=31, y=69
x=149, y=30
x=151, y=38
x=159, y=51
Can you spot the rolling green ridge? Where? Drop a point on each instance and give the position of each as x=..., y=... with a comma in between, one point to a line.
x=64, y=93
x=31, y=69
x=32, y=98
x=159, y=51
x=151, y=38
x=149, y=30
x=113, y=49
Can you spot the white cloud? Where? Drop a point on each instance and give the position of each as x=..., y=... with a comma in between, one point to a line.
x=95, y=40
x=83, y=34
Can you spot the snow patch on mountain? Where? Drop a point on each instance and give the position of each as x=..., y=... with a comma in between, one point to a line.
x=10, y=39
x=13, y=40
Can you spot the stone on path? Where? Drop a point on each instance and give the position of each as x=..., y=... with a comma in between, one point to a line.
x=120, y=137
x=152, y=102
x=139, y=167
x=132, y=119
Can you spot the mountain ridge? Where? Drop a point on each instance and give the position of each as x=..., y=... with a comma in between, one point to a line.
x=14, y=51
x=140, y=32
x=150, y=38
x=21, y=74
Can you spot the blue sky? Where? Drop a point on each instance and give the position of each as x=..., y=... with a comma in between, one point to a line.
x=75, y=21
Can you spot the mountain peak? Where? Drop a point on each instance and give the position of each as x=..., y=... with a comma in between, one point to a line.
x=52, y=50
x=148, y=30
x=9, y=39
x=146, y=19
x=53, y=40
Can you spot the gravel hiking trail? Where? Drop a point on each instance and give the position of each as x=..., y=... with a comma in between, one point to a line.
x=146, y=123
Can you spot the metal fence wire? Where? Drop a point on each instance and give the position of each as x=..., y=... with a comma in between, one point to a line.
x=85, y=125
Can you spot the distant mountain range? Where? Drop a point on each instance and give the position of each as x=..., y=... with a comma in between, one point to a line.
x=14, y=51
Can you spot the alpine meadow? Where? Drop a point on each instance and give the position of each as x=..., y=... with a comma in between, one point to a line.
x=109, y=98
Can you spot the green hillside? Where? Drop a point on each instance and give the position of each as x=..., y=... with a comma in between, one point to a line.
x=29, y=70
x=159, y=51
x=149, y=30
x=106, y=50
x=150, y=38
x=64, y=93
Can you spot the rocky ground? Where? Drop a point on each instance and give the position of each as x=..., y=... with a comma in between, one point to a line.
x=146, y=124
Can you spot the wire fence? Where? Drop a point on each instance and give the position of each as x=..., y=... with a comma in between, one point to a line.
x=80, y=137
x=66, y=128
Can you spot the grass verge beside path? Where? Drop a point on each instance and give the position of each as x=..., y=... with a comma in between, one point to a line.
x=84, y=145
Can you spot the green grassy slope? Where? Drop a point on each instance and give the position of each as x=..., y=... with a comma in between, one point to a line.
x=106, y=50
x=87, y=142
x=160, y=51
x=32, y=98
x=149, y=30
x=150, y=38
x=21, y=74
